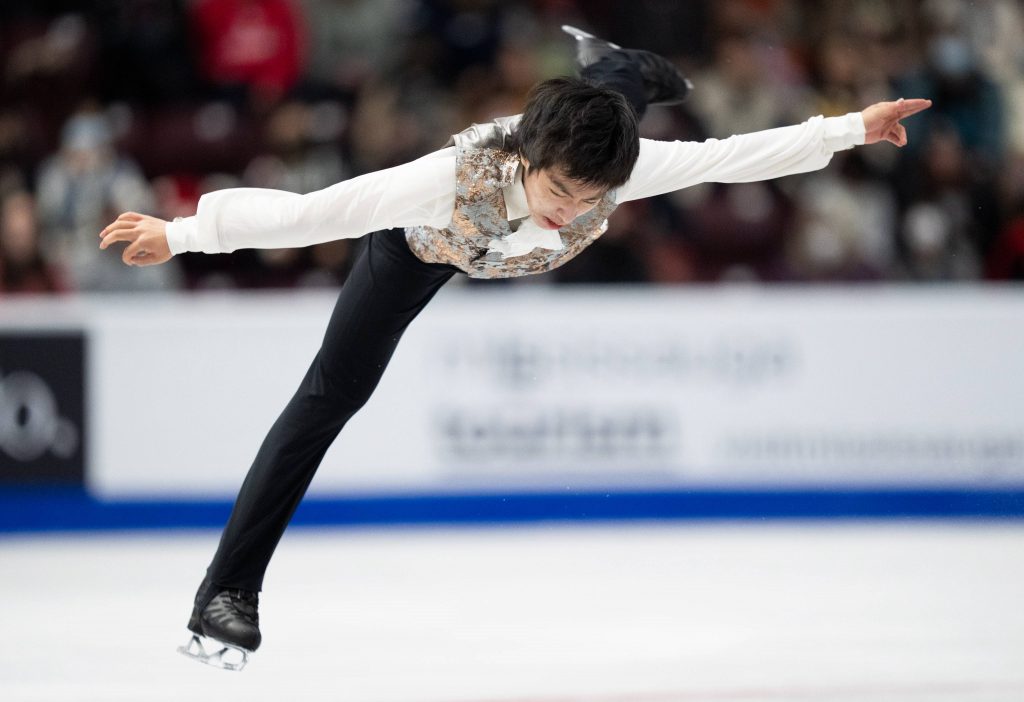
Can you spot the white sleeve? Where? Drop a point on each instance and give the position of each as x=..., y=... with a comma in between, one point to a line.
x=421, y=192
x=664, y=166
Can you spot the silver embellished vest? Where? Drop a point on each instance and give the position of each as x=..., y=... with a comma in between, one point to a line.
x=483, y=166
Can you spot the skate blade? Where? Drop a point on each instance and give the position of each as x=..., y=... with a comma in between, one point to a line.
x=580, y=35
x=227, y=658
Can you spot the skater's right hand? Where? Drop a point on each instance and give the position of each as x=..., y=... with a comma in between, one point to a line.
x=147, y=237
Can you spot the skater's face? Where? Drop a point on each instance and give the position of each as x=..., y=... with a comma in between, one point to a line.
x=555, y=200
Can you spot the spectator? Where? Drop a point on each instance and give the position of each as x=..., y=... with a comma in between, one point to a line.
x=847, y=227
x=454, y=36
x=740, y=231
x=21, y=142
x=22, y=266
x=387, y=80
x=935, y=247
x=738, y=94
x=300, y=156
x=1006, y=256
x=78, y=189
x=962, y=214
x=966, y=99
x=51, y=66
x=300, y=153
x=846, y=71
x=1006, y=261
x=353, y=41
x=250, y=49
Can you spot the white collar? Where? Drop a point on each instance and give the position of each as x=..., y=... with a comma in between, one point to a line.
x=515, y=197
x=528, y=236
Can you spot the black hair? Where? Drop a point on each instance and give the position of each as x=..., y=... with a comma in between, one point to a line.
x=589, y=132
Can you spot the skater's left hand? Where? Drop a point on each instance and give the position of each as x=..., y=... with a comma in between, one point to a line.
x=882, y=120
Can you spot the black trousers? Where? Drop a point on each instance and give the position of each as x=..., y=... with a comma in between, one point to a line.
x=385, y=291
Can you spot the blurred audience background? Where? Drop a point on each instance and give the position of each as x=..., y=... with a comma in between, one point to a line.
x=113, y=105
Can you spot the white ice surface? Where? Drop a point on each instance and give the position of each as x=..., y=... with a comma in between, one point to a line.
x=641, y=613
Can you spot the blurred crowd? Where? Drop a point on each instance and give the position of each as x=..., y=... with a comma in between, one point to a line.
x=144, y=105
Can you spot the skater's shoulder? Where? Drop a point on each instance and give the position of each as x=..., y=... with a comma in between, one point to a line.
x=496, y=134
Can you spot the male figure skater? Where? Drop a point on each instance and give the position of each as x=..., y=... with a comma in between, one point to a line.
x=518, y=196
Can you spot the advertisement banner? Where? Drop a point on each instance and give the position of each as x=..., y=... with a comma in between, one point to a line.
x=734, y=389
x=42, y=408
x=582, y=389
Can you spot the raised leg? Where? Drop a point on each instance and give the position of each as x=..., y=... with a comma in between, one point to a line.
x=643, y=77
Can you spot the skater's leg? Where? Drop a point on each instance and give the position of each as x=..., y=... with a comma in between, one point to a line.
x=385, y=291
x=620, y=75
x=643, y=78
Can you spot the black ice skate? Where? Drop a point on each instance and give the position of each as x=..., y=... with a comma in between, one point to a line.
x=663, y=82
x=225, y=626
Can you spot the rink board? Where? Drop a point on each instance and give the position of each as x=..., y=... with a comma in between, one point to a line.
x=533, y=403
x=72, y=509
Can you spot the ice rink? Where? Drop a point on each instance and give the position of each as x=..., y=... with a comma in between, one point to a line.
x=600, y=613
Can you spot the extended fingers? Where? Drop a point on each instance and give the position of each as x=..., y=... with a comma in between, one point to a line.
x=117, y=225
x=118, y=234
x=124, y=220
x=121, y=229
x=906, y=108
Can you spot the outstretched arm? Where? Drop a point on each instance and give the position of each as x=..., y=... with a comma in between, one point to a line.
x=419, y=192
x=665, y=166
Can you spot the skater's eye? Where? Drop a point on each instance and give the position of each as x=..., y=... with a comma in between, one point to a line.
x=561, y=195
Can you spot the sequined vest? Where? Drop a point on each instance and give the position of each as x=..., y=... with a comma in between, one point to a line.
x=483, y=166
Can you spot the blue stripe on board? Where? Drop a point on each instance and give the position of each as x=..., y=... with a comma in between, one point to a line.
x=61, y=509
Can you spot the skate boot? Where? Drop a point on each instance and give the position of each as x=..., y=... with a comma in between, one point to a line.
x=225, y=626
x=663, y=82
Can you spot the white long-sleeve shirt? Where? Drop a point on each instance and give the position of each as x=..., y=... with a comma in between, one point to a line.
x=422, y=192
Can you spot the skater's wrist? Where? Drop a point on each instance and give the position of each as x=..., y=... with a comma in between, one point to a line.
x=182, y=235
x=842, y=133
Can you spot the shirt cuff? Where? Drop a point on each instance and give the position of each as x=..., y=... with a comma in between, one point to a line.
x=844, y=132
x=182, y=234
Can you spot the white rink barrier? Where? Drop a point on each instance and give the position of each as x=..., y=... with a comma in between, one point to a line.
x=549, y=389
